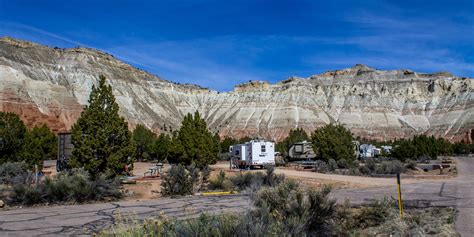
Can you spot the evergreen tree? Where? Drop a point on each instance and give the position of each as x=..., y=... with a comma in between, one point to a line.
x=101, y=139
x=194, y=143
x=226, y=143
x=161, y=147
x=333, y=142
x=40, y=144
x=295, y=135
x=144, y=140
x=12, y=134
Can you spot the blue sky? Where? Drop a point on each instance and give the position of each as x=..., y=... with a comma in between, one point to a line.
x=218, y=44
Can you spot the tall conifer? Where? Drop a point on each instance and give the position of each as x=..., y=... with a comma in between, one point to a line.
x=102, y=141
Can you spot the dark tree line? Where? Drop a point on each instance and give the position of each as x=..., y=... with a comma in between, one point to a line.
x=17, y=143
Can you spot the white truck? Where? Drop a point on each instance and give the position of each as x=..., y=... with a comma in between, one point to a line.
x=255, y=153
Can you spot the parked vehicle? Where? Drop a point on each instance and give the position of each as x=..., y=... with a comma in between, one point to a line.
x=301, y=151
x=255, y=153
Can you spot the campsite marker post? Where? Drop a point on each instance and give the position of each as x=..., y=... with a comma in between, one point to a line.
x=400, y=202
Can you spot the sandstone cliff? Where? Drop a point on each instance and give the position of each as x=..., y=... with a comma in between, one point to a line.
x=51, y=85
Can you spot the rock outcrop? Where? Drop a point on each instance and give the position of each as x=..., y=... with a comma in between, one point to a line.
x=51, y=85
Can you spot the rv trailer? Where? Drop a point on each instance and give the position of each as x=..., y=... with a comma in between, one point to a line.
x=255, y=153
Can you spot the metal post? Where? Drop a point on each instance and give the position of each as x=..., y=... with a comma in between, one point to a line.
x=36, y=175
x=400, y=202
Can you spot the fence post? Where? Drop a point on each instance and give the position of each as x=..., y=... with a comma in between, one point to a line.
x=400, y=202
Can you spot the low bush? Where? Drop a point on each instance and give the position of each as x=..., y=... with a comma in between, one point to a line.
x=71, y=186
x=411, y=165
x=177, y=182
x=390, y=167
x=184, y=180
x=321, y=166
x=284, y=210
x=14, y=173
x=332, y=165
x=370, y=164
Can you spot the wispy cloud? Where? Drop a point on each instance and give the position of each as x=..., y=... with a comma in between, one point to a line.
x=35, y=34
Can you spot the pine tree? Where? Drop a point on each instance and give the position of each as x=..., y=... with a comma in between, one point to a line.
x=12, y=134
x=40, y=144
x=101, y=139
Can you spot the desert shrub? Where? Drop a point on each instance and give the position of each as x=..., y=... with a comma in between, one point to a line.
x=353, y=171
x=177, y=181
x=292, y=210
x=411, y=164
x=14, y=172
x=389, y=167
x=71, y=186
x=245, y=180
x=370, y=164
x=343, y=164
x=218, y=182
x=271, y=179
x=321, y=166
x=364, y=170
x=332, y=165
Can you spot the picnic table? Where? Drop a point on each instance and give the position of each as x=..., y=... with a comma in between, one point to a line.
x=154, y=170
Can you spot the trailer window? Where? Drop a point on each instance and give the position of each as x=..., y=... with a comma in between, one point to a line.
x=237, y=152
x=263, y=148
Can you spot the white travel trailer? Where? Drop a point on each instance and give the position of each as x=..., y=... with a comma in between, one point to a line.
x=253, y=153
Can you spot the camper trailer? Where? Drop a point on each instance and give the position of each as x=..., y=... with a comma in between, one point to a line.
x=301, y=151
x=256, y=153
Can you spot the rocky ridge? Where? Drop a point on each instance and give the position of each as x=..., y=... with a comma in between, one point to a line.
x=51, y=85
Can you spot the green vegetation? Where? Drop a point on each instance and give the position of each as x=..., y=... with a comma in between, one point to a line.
x=12, y=134
x=20, y=144
x=161, y=147
x=144, y=140
x=71, y=186
x=288, y=210
x=228, y=141
x=102, y=141
x=13, y=173
x=181, y=180
x=426, y=147
x=245, y=180
x=333, y=142
x=284, y=210
x=39, y=144
x=295, y=135
x=194, y=143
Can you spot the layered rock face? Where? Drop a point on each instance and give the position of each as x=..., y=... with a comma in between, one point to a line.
x=46, y=85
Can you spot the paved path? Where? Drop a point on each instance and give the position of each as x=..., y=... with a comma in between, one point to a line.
x=456, y=192
x=89, y=218
x=86, y=219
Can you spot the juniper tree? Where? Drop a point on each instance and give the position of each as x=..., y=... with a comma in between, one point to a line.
x=333, y=142
x=144, y=139
x=194, y=143
x=39, y=144
x=12, y=134
x=101, y=139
